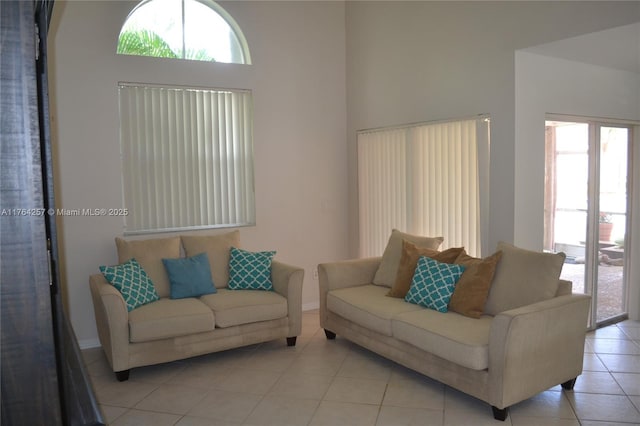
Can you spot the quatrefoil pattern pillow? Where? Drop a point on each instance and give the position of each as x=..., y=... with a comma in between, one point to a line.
x=433, y=284
x=250, y=270
x=132, y=282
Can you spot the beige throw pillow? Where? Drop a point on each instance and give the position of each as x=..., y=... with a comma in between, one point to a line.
x=218, y=249
x=388, y=269
x=523, y=277
x=409, y=261
x=149, y=254
x=472, y=289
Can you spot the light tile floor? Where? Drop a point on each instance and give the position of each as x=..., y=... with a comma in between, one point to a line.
x=337, y=383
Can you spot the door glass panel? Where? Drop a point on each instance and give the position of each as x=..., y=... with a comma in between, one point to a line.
x=612, y=221
x=587, y=220
x=566, y=195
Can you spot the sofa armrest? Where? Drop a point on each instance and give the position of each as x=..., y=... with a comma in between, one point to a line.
x=112, y=321
x=287, y=281
x=535, y=347
x=347, y=273
x=343, y=274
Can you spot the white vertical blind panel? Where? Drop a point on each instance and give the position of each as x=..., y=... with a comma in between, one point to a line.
x=446, y=199
x=382, y=188
x=421, y=179
x=187, y=158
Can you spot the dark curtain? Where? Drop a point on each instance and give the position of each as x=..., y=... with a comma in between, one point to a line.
x=44, y=381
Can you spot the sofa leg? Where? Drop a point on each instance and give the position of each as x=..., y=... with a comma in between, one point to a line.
x=123, y=375
x=500, y=413
x=568, y=385
x=330, y=334
x=291, y=341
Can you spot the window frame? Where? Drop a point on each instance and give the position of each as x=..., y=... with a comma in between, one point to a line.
x=245, y=52
x=238, y=177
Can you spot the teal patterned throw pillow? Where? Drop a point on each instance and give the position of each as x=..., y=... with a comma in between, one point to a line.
x=250, y=270
x=433, y=284
x=132, y=282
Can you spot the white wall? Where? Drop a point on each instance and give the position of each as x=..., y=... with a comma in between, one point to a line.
x=420, y=61
x=298, y=83
x=552, y=85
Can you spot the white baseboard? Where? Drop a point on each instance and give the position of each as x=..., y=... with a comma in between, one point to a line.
x=89, y=343
x=310, y=306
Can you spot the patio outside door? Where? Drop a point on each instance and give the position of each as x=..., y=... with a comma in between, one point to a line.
x=587, y=210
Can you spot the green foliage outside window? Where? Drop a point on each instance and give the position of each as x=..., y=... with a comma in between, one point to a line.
x=149, y=43
x=144, y=43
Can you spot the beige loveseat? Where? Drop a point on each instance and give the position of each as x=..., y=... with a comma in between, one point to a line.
x=523, y=343
x=171, y=329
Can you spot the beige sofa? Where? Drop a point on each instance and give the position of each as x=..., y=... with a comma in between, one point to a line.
x=171, y=329
x=501, y=358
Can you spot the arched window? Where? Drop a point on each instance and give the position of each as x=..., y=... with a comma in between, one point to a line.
x=198, y=30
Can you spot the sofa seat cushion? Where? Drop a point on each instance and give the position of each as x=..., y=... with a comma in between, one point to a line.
x=368, y=306
x=236, y=307
x=454, y=337
x=167, y=318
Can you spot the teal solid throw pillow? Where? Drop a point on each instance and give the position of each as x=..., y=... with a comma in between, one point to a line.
x=250, y=270
x=132, y=282
x=189, y=276
x=433, y=284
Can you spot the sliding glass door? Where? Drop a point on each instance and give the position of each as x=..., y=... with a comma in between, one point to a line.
x=587, y=209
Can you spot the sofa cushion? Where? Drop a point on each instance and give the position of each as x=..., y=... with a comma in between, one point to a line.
x=149, y=253
x=523, y=277
x=236, y=307
x=433, y=284
x=167, y=318
x=451, y=336
x=217, y=248
x=388, y=269
x=472, y=289
x=250, y=270
x=132, y=282
x=409, y=261
x=189, y=276
x=368, y=306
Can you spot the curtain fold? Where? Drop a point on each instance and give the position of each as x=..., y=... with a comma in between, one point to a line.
x=421, y=179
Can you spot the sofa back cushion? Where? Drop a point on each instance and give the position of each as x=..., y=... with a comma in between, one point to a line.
x=218, y=249
x=388, y=269
x=523, y=277
x=149, y=254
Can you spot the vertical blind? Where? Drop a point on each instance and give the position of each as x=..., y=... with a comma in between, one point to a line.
x=422, y=179
x=187, y=157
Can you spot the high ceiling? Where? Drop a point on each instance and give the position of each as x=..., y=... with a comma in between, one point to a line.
x=617, y=48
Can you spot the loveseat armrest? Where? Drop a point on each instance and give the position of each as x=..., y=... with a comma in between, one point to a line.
x=535, y=347
x=287, y=282
x=343, y=274
x=112, y=321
